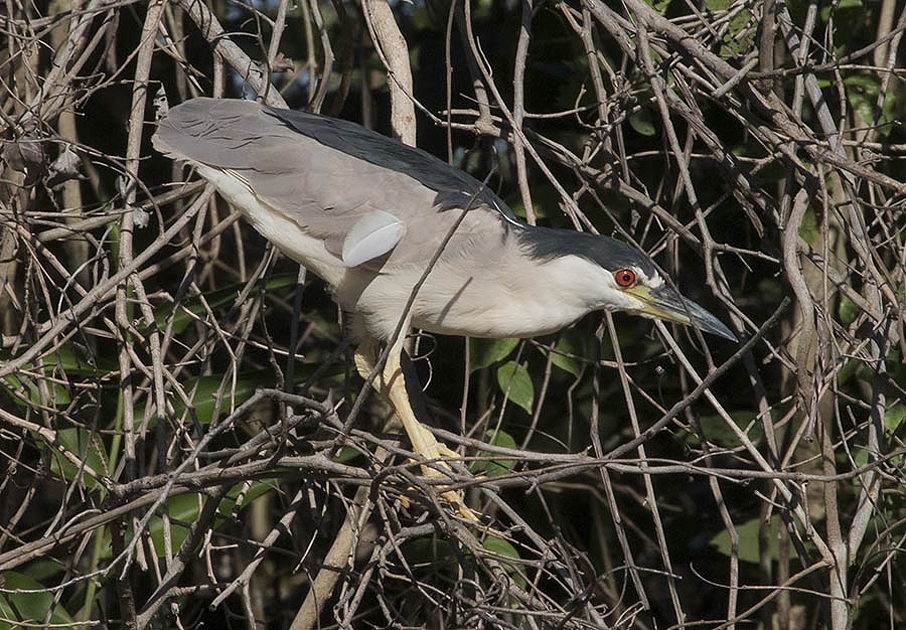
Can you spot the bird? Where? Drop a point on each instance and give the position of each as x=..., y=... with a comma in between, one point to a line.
x=406, y=240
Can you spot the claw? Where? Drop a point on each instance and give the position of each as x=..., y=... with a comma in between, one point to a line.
x=391, y=385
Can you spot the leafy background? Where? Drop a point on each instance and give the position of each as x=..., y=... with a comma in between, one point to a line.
x=168, y=465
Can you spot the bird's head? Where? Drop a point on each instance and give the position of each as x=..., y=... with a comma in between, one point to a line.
x=640, y=289
x=630, y=279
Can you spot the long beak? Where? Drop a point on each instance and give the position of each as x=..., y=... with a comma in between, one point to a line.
x=665, y=303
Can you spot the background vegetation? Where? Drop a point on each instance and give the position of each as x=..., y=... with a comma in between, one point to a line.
x=168, y=465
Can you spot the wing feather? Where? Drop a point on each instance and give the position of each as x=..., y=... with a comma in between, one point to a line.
x=329, y=176
x=372, y=236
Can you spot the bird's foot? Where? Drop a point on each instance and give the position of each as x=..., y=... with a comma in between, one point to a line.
x=455, y=499
x=390, y=383
x=433, y=450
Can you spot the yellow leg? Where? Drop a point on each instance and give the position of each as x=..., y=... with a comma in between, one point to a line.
x=390, y=383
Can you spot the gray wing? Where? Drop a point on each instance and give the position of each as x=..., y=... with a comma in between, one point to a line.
x=327, y=174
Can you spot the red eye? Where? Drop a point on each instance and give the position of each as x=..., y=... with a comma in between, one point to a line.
x=625, y=277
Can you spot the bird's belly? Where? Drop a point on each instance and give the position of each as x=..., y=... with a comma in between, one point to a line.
x=478, y=304
x=495, y=319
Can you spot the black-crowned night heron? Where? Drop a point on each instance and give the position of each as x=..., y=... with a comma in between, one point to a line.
x=368, y=215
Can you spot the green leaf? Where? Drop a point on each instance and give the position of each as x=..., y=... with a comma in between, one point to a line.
x=31, y=607
x=894, y=416
x=485, y=352
x=541, y=200
x=860, y=459
x=642, y=123
x=68, y=359
x=347, y=454
x=73, y=359
x=204, y=399
x=493, y=468
x=570, y=341
x=808, y=229
x=421, y=19
x=502, y=547
x=849, y=369
x=203, y=393
x=748, y=540
x=848, y=310
x=437, y=555
x=862, y=92
x=75, y=440
x=431, y=552
x=841, y=6
x=717, y=431
x=28, y=389
x=191, y=309
x=256, y=489
x=43, y=569
x=515, y=382
x=182, y=507
x=92, y=452
x=659, y=5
